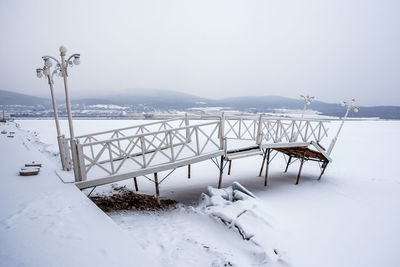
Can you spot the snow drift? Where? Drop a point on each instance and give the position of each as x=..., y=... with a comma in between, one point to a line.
x=240, y=210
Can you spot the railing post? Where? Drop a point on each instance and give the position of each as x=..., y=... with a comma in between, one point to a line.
x=240, y=127
x=305, y=135
x=75, y=160
x=171, y=146
x=319, y=132
x=259, y=131
x=221, y=130
x=110, y=156
x=196, y=130
x=61, y=149
x=67, y=155
x=143, y=146
x=292, y=133
x=82, y=167
x=188, y=139
x=277, y=131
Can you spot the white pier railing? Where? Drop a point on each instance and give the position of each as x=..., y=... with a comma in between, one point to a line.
x=274, y=130
x=140, y=154
x=123, y=153
x=133, y=130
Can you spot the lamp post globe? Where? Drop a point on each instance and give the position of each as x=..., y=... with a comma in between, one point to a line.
x=63, y=50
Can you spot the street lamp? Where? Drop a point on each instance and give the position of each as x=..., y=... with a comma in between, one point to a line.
x=45, y=72
x=63, y=66
x=307, y=101
x=62, y=69
x=350, y=106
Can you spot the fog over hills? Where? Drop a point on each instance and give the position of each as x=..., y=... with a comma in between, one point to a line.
x=166, y=100
x=11, y=98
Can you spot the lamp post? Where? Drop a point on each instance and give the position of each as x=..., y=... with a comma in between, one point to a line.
x=307, y=101
x=350, y=106
x=62, y=67
x=46, y=72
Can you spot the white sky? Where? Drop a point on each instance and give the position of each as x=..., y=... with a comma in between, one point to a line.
x=334, y=50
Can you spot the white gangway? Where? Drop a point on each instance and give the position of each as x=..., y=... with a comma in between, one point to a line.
x=125, y=153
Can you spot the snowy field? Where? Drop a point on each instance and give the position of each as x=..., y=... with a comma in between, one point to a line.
x=349, y=218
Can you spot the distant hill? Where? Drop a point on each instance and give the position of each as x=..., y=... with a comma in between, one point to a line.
x=11, y=98
x=165, y=100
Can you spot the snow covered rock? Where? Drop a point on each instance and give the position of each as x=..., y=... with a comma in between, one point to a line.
x=240, y=210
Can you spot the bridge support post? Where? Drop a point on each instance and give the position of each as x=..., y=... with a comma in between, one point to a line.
x=323, y=169
x=268, y=152
x=288, y=163
x=230, y=166
x=136, y=185
x=221, y=170
x=301, y=167
x=189, y=171
x=262, y=164
x=157, y=190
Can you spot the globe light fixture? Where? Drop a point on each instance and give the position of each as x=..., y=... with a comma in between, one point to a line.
x=39, y=73
x=307, y=101
x=46, y=71
x=350, y=106
x=77, y=60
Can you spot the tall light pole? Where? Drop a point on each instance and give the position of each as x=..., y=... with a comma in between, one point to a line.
x=307, y=101
x=350, y=105
x=63, y=65
x=46, y=72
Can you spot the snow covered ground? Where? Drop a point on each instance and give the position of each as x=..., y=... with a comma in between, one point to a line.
x=349, y=218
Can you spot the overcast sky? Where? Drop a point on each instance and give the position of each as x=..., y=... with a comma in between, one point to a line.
x=334, y=50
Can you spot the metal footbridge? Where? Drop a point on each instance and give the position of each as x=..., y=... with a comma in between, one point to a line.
x=147, y=149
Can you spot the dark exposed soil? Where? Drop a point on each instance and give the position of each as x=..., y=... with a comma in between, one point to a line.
x=128, y=200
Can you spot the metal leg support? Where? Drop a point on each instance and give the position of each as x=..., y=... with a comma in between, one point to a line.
x=262, y=164
x=323, y=169
x=288, y=163
x=267, y=166
x=156, y=183
x=301, y=167
x=136, y=185
x=230, y=166
x=189, y=171
x=221, y=169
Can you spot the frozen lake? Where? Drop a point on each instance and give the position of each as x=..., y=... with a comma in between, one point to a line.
x=349, y=218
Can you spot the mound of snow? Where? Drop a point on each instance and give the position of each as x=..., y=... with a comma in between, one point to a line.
x=240, y=210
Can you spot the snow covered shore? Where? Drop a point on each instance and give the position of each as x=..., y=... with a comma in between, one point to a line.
x=44, y=222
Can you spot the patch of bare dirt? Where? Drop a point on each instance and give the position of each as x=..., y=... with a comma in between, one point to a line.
x=128, y=200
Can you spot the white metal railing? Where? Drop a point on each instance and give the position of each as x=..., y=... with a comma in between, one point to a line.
x=274, y=130
x=292, y=131
x=133, y=130
x=125, y=150
x=140, y=151
x=240, y=128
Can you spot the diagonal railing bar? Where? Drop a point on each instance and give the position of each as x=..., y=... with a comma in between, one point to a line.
x=95, y=159
x=247, y=129
x=208, y=138
x=93, y=162
x=158, y=150
x=126, y=157
x=184, y=144
x=232, y=128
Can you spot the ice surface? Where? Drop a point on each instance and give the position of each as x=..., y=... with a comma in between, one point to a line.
x=349, y=218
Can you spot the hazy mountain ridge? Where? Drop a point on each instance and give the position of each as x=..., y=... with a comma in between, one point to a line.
x=167, y=100
x=11, y=98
